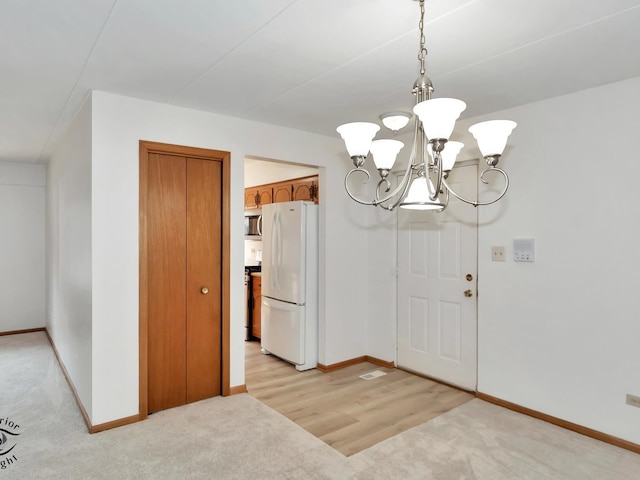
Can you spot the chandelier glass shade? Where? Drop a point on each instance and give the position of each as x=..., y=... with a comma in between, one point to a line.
x=384, y=153
x=423, y=185
x=439, y=115
x=419, y=194
x=358, y=137
x=492, y=136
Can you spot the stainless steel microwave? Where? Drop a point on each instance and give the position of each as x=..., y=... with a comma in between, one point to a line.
x=253, y=223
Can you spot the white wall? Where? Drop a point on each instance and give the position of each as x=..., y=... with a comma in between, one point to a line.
x=347, y=304
x=69, y=285
x=118, y=124
x=262, y=171
x=22, y=246
x=561, y=335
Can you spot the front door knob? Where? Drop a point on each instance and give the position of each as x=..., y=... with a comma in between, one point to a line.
x=204, y=290
x=468, y=293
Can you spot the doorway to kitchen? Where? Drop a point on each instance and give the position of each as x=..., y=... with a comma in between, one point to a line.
x=268, y=181
x=184, y=275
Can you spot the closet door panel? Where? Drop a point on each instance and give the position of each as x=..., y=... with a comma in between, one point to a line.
x=204, y=278
x=167, y=271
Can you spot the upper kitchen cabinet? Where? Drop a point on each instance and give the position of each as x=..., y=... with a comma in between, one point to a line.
x=282, y=192
x=255, y=197
x=265, y=195
x=305, y=188
x=250, y=197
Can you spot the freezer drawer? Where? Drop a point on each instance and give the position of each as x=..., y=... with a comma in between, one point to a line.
x=283, y=330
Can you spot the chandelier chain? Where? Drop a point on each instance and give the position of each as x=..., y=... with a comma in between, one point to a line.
x=422, y=53
x=423, y=185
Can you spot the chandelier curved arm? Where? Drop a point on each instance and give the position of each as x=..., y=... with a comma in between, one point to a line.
x=378, y=200
x=387, y=186
x=346, y=185
x=476, y=203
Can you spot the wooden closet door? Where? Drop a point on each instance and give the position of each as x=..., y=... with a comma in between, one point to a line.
x=167, y=270
x=204, y=276
x=184, y=280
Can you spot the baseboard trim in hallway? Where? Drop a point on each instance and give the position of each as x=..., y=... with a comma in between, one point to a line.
x=27, y=330
x=67, y=377
x=115, y=423
x=90, y=427
x=574, y=427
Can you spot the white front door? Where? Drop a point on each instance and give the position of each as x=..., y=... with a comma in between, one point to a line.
x=437, y=264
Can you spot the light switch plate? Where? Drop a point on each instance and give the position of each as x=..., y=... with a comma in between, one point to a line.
x=633, y=400
x=497, y=254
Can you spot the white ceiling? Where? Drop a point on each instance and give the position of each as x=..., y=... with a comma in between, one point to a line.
x=305, y=64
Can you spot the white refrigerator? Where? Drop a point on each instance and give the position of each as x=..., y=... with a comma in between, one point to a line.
x=290, y=282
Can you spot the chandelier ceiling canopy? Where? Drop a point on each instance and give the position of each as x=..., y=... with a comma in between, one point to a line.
x=424, y=183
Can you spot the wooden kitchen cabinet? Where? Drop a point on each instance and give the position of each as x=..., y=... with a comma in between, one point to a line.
x=305, y=188
x=256, y=197
x=265, y=194
x=250, y=198
x=256, y=301
x=282, y=192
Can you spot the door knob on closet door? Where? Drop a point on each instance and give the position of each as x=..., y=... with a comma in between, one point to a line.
x=468, y=293
x=204, y=290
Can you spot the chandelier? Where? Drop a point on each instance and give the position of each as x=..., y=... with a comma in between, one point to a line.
x=424, y=183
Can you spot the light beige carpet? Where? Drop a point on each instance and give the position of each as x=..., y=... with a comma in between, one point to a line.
x=240, y=438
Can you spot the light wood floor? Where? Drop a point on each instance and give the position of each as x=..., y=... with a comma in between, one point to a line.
x=343, y=410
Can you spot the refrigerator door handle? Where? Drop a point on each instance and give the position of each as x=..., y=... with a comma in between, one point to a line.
x=280, y=251
x=275, y=255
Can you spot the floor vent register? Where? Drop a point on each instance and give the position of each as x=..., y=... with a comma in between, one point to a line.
x=372, y=375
